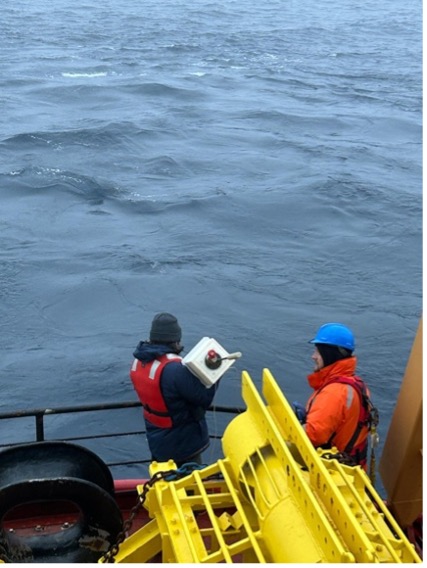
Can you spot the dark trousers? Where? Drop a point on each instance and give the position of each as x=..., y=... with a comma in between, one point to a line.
x=194, y=459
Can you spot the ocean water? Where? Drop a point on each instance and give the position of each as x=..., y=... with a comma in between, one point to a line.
x=255, y=169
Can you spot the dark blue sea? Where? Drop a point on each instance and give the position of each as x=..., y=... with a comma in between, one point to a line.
x=254, y=168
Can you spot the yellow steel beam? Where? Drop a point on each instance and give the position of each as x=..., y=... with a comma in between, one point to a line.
x=273, y=498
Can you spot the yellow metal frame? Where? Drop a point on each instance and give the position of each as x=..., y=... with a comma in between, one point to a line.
x=273, y=498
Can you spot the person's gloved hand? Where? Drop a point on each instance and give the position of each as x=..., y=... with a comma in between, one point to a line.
x=300, y=412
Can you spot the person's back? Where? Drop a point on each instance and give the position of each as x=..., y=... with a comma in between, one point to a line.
x=173, y=399
x=337, y=413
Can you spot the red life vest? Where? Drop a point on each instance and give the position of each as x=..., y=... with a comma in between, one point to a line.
x=368, y=415
x=146, y=381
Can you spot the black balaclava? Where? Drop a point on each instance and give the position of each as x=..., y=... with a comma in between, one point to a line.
x=331, y=353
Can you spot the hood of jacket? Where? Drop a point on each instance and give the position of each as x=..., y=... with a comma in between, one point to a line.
x=146, y=351
x=341, y=368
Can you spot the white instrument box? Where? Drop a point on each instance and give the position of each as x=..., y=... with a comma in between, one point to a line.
x=208, y=360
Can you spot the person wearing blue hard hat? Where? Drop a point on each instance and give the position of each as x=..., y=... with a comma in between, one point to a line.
x=339, y=413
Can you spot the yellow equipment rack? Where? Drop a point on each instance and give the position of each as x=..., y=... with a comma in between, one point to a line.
x=272, y=499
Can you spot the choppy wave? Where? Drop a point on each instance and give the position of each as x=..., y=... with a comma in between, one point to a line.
x=78, y=74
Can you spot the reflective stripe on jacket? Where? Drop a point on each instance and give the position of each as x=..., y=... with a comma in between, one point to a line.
x=334, y=409
x=146, y=381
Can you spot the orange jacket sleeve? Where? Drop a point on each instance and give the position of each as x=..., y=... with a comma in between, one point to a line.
x=326, y=414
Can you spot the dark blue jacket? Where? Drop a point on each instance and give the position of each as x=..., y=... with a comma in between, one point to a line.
x=187, y=400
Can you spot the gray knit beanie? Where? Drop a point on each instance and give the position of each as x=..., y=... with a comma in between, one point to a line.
x=165, y=329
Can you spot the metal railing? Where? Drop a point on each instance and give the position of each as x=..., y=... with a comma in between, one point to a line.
x=40, y=415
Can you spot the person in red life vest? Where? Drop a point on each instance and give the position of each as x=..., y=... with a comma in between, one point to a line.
x=338, y=413
x=174, y=400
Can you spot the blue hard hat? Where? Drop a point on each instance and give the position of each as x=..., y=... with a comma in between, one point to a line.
x=335, y=334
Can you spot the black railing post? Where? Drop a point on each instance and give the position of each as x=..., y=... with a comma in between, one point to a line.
x=39, y=414
x=39, y=427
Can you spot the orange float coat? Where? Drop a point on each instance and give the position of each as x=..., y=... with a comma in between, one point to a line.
x=334, y=409
x=146, y=381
